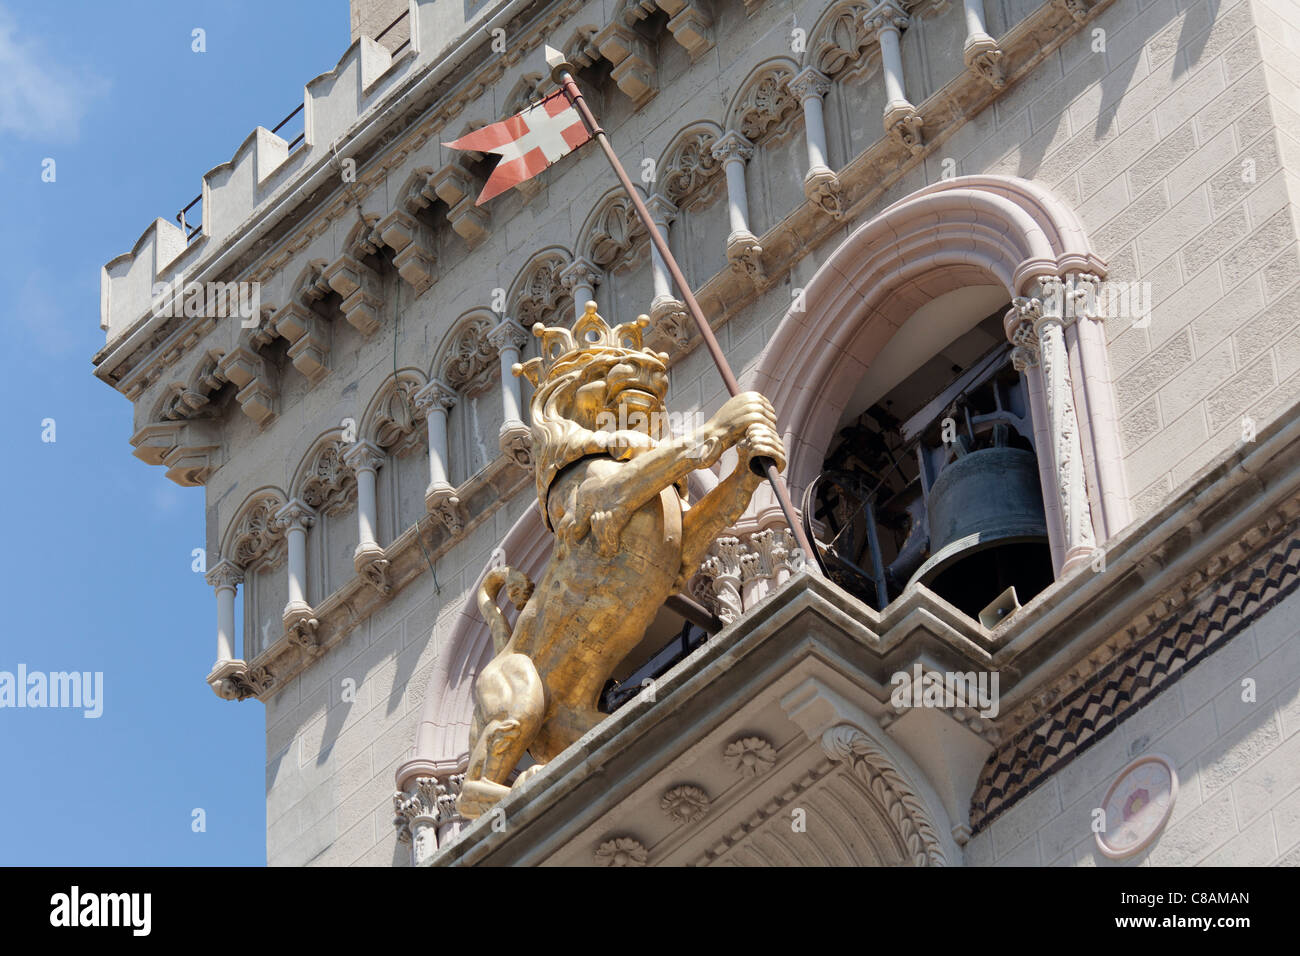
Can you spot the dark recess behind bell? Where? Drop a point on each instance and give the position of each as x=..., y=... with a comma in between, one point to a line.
x=958, y=509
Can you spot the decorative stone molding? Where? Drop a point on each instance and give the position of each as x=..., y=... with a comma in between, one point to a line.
x=540, y=292
x=620, y=851
x=873, y=768
x=329, y=485
x=842, y=43
x=766, y=106
x=685, y=803
x=750, y=756
x=688, y=175
x=470, y=357
x=612, y=233
x=258, y=536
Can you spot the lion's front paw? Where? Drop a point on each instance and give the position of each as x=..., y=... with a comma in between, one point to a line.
x=761, y=441
x=607, y=528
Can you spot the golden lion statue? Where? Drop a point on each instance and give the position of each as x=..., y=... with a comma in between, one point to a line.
x=611, y=484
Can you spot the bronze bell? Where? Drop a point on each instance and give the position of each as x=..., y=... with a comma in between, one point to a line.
x=987, y=529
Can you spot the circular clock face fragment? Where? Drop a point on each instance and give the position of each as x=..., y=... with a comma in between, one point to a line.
x=1137, y=806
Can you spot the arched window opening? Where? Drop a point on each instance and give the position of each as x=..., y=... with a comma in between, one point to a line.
x=933, y=476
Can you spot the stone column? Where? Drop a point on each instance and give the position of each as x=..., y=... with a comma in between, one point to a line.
x=669, y=321
x=1085, y=339
x=299, y=618
x=820, y=184
x=981, y=51
x=886, y=21
x=225, y=577
x=436, y=399
x=581, y=278
x=515, y=438
x=365, y=458
x=743, y=251
x=1024, y=358
x=1043, y=317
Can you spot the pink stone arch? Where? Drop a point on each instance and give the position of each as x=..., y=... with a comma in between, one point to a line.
x=963, y=231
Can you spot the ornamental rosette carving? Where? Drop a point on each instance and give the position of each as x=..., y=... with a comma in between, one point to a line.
x=259, y=536
x=621, y=851
x=750, y=756
x=331, y=485
x=541, y=297
x=767, y=105
x=844, y=43
x=692, y=172
x=471, y=357
x=685, y=803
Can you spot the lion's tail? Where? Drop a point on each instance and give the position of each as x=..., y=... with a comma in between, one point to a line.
x=518, y=588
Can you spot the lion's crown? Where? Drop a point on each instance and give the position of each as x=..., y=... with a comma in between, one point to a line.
x=563, y=349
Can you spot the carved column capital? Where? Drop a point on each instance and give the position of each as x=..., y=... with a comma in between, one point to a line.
x=364, y=456
x=435, y=394
x=295, y=516
x=810, y=83
x=733, y=147
x=888, y=15
x=662, y=211
x=225, y=574
x=581, y=272
x=508, y=334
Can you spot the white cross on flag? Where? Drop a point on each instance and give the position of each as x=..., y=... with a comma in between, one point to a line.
x=527, y=142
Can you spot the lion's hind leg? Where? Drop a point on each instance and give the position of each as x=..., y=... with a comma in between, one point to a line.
x=511, y=704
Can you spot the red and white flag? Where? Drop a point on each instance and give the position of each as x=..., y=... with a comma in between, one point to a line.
x=527, y=142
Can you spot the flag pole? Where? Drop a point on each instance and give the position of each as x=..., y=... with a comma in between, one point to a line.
x=562, y=73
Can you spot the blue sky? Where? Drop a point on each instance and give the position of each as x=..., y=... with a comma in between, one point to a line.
x=96, y=568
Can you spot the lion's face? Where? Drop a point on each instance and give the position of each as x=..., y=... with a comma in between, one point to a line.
x=625, y=391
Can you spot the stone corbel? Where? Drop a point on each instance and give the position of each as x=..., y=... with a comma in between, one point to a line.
x=235, y=680
x=361, y=290
x=258, y=389
x=632, y=61
x=885, y=22
x=309, y=339
x=454, y=186
x=1077, y=10
x=441, y=501
x=413, y=249
x=981, y=52
x=690, y=25
x=196, y=454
